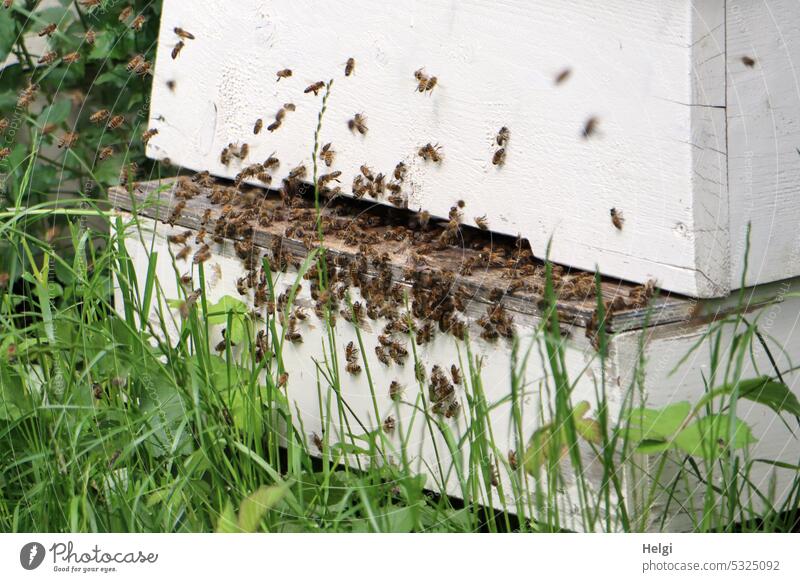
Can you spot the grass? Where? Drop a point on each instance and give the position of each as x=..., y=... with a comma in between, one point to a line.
x=118, y=414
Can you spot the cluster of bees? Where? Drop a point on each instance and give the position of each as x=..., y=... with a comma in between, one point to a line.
x=442, y=392
x=499, y=157
x=183, y=36
x=425, y=84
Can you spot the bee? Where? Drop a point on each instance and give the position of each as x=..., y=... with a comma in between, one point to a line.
x=389, y=425
x=456, y=374
x=4, y=153
x=134, y=63
x=202, y=255
x=125, y=14
x=298, y=173
x=99, y=116
x=284, y=74
x=274, y=125
x=3, y=125
x=350, y=67
x=562, y=76
x=271, y=163
x=289, y=106
x=138, y=23
x=430, y=152
x=616, y=218
x=365, y=170
x=244, y=151
x=106, y=153
x=184, y=34
x=183, y=253
x=590, y=127
x=116, y=122
x=481, y=222
x=27, y=95
x=424, y=333
x=89, y=3
x=499, y=157
x=422, y=80
x=749, y=62
x=353, y=368
x=171, y=85
x=90, y=37
x=7, y=3
x=512, y=460
x=71, y=58
x=351, y=352
x=177, y=49
x=68, y=140
x=48, y=58
x=400, y=171
x=503, y=136
x=358, y=123
x=148, y=135
x=395, y=391
x=383, y=355
x=283, y=379
x=48, y=30
x=315, y=87
x=430, y=84
x=327, y=154
x=179, y=239
x=315, y=438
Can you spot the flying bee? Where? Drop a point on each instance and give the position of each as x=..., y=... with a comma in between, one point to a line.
x=68, y=140
x=177, y=49
x=184, y=34
x=135, y=63
x=617, y=219
x=562, y=76
x=48, y=30
x=125, y=14
x=503, y=136
x=4, y=153
x=284, y=74
x=315, y=87
x=71, y=58
x=499, y=157
x=106, y=153
x=358, y=123
x=327, y=154
x=47, y=58
x=202, y=255
x=350, y=67
x=183, y=253
x=138, y=23
x=590, y=127
x=179, y=239
x=27, y=95
x=148, y=135
x=481, y=222
x=116, y=122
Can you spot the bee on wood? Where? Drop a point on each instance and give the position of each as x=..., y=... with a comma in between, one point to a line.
x=499, y=158
x=749, y=62
x=503, y=136
x=358, y=123
x=47, y=58
x=116, y=122
x=590, y=127
x=184, y=34
x=68, y=140
x=327, y=154
x=125, y=14
x=315, y=87
x=562, y=76
x=430, y=152
x=183, y=253
x=48, y=30
x=482, y=222
x=138, y=23
x=106, y=153
x=298, y=173
x=284, y=74
x=148, y=135
x=202, y=255
x=389, y=425
x=176, y=50
x=350, y=67
x=27, y=95
x=617, y=219
x=325, y=178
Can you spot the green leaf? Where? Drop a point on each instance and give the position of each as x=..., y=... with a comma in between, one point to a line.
x=710, y=435
x=256, y=506
x=657, y=424
x=227, y=520
x=7, y=34
x=768, y=392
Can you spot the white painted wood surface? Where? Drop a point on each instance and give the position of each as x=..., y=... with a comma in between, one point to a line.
x=664, y=347
x=650, y=71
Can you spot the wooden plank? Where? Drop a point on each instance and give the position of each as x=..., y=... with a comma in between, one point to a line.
x=763, y=136
x=658, y=154
x=485, y=284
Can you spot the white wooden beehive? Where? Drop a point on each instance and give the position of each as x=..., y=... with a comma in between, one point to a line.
x=691, y=143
